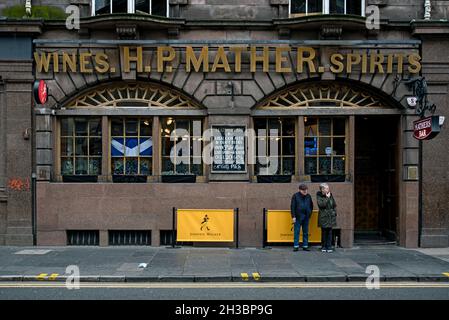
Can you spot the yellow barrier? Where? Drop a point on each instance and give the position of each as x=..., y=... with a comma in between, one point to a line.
x=207, y=225
x=280, y=227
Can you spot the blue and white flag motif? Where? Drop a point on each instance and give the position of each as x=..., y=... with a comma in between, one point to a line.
x=131, y=147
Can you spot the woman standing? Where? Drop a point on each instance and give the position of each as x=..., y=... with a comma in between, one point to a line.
x=327, y=216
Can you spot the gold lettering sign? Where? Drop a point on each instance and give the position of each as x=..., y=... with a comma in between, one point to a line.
x=228, y=59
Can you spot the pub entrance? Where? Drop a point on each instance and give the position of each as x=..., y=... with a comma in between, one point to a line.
x=376, y=180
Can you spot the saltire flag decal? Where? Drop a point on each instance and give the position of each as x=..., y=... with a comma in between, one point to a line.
x=131, y=147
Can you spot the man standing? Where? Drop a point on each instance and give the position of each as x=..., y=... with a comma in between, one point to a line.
x=301, y=210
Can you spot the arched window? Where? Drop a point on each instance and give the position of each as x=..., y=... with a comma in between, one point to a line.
x=110, y=131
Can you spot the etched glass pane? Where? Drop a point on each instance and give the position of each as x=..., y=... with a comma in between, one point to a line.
x=66, y=166
x=325, y=165
x=288, y=166
x=81, y=166
x=145, y=166
x=310, y=165
x=117, y=166
x=339, y=165
x=131, y=166
x=95, y=166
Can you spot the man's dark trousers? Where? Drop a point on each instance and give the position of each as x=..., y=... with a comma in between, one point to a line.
x=302, y=221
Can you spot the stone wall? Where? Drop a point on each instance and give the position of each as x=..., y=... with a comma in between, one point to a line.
x=15, y=160
x=435, y=154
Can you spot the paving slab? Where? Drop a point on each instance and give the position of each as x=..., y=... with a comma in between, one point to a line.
x=188, y=264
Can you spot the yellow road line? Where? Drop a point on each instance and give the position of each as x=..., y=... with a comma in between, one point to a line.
x=244, y=276
x=53, y=276
x=41, y=276
x=211, y=285
x=256, y=276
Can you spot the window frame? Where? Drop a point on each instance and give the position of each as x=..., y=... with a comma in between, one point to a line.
x=74, y=137
x=125, y=136
x=131, y=7
x=330, y=136
x=326, y=7
x=281, y=137
x=163, y=135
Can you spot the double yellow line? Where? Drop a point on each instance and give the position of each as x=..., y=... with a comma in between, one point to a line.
x=224, y=285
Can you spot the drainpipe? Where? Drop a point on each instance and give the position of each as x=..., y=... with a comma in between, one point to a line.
x=28, y=7
x=427, y=9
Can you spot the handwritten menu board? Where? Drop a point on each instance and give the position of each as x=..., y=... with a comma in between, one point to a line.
x=229, y=149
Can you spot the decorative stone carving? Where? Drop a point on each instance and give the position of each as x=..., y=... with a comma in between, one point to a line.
x=127, y=32
x=331, y=31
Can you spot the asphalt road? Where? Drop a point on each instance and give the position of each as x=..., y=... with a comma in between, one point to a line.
x=226, y=291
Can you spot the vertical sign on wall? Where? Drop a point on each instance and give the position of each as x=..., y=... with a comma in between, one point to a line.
x=229, y=149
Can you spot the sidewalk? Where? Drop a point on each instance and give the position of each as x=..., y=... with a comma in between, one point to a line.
x=187, y=264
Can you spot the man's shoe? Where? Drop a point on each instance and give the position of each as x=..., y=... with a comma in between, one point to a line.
x=295, y=249
x=330, y=250
x=306, y=249
x=323, y=250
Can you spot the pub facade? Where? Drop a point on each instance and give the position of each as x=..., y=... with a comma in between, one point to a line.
x=142, y=97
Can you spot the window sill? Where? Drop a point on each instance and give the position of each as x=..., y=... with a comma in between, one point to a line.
x=129, y=178
x=79, y=178
x=179, y=178
x=328, y=178
x=274, y=178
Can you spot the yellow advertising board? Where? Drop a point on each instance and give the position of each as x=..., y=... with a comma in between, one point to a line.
x=207, y=225
x=280, y=227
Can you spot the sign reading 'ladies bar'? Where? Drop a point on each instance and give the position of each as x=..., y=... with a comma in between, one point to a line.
x=227, y=59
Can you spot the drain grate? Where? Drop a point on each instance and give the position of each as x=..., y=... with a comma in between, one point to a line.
x=130, y=237
x=83, y=237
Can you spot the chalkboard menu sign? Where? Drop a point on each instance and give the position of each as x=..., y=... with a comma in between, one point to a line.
x=228, y=149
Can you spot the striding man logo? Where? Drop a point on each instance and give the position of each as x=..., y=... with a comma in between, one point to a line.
x=204, y=223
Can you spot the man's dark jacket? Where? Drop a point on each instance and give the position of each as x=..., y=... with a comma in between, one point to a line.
x=301, y=206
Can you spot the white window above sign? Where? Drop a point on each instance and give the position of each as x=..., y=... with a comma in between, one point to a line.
x=153, y=7
x=298, y=8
